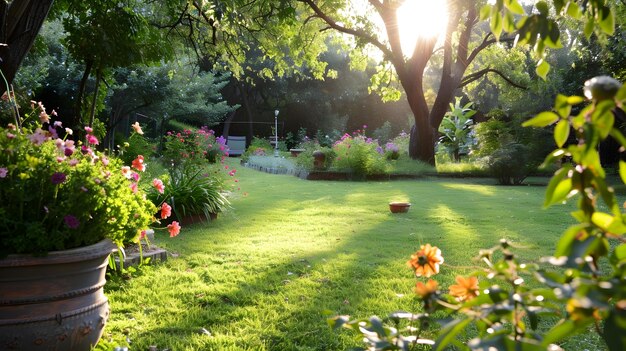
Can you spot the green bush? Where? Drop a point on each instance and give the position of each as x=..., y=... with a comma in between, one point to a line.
x=360, y=156
x=136, y=145
x=305, y=159
x=258, y=147
x=192, y=191
x=510, y=164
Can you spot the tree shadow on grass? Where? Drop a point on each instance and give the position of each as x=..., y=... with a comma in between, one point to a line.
x=351, y=272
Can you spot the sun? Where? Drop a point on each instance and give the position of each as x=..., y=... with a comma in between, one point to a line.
x=421, y=18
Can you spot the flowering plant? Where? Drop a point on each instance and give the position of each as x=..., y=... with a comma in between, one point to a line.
x=359, y=154
x=194, y=146
x=58, y=194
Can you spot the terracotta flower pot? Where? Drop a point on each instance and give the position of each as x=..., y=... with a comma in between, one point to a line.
x=54, y=302
x=399, y=207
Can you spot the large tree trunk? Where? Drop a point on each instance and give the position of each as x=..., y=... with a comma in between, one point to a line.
x=20, y=21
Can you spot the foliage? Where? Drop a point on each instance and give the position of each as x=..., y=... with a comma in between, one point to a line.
x=306, y=160
x=194, y=147
x=258, y=147
x=455, y=128
x=58, y=194
x=510, y=164
x=492, y=134
x=580, y=286
x=359, y=155
x=192, y=191
x=136, y=145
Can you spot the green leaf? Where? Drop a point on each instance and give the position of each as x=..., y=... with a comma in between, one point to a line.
x=621, y=95
x=573, y=10
x=565, y=243
x=607, y=22
x=575, y=100
x=561, y=132
x=615, y=133
x=588, y=30
x=496, y=24
x=484, y=12
x=602, y=220
x=543, y=8
x=622, y=170
x=558, y=5
x=603, y=117
x=614, y=331
x=542, y=69
x=561, y=331
x=449, y=332
x=559, y=184
x=514, y=7
x=543, y=119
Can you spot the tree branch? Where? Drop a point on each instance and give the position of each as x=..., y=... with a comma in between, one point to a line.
x=354, y=32
x=478, y=74
x=486, y=42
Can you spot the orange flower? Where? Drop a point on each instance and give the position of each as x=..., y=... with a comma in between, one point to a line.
x=426, y=261
x=425, y=290
x=465, y=289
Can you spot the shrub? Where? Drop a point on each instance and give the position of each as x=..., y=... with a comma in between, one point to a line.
x=510, y=164
x=194, y=147
x=359, y=155
x=192, y=191
x=258, y=147
x=136, y=145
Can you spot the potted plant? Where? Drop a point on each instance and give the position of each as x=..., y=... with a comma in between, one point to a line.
x=64, y=207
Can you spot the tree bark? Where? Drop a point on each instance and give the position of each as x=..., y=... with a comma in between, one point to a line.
x=20, y=22
x=77, y=120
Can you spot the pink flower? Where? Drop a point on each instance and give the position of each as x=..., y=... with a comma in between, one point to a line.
x=73, y=162
x=138, y=164
x=166, y=210
x=69, y=131
x=43, y=117
x=133, y=187
x=174, y=229
x=10, y=136
x=135, y=176
x=158, y=185
x=88, y=130
x=104, y=160
x=38, y=137
x=91, y=139
x=71, y=221
x=3, y=172
x=142, y=235
x=57, y=123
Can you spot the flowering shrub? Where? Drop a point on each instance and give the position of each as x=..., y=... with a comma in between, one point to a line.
x=194, y=146
x=359, y=155
x=59, y=194
x=513, y=305
x=392, y=152
x=258, y=147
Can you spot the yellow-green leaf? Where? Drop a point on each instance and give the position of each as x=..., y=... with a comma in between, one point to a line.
x=588, y=30
x=602, y=220
x=573, y=10
x=561, y=132
x=484, y=12
x=496, y=24
x=543, y=119
x=607, y=23
x=542, y=69
x=622, y=170
x=621, y=95
x=514, y=7
x=575, y=100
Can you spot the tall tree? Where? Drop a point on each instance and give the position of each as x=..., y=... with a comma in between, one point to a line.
x=463, y=41
x=20, y=21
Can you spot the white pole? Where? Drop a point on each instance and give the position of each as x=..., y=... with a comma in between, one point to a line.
x=276, y=133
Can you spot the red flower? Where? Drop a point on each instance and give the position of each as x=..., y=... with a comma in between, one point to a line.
x=138, y=164
x=174, y=229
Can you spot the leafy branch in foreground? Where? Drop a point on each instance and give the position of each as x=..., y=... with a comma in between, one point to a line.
x=513, y=305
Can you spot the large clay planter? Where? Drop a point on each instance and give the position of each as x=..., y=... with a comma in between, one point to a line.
x=399, y=207
x=54, y=302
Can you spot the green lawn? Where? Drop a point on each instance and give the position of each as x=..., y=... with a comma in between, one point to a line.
x=262, y=275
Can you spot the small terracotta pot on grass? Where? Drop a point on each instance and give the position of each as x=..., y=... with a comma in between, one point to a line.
x=399, y=207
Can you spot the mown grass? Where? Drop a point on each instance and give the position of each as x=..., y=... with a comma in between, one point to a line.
x=262, y=276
